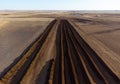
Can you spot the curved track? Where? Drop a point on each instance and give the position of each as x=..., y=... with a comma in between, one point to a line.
x=75, y=61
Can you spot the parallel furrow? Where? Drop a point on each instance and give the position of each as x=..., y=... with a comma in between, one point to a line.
x=75, y=62
x=17, y=71
x=81, y=64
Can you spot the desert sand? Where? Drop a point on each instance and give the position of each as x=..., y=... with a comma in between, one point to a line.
x=18, y=29
x=16, y=35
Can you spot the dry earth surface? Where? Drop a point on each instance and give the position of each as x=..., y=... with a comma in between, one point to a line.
x=19, y=29
x=16, y=34
x=102, y=32
x=105, y=28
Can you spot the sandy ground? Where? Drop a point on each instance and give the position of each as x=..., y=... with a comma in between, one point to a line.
x=16, y=34
x=46, y=53
x=102, y=34
x=19, y=29
x=106, y=30
x=110, y=58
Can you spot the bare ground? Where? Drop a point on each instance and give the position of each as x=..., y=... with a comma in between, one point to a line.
x=105, y=30
x=16, y=35
x=101, y=31
x=104, y=39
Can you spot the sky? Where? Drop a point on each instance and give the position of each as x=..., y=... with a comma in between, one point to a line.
x=59, y=4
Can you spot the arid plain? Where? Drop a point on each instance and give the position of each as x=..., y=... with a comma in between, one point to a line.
x=18, y=29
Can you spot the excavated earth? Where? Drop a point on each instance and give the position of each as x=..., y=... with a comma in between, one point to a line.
x=64, y=50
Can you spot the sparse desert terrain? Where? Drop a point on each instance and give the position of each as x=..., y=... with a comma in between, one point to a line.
x=105, y=28
x=16, y=34
x=50, y=46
